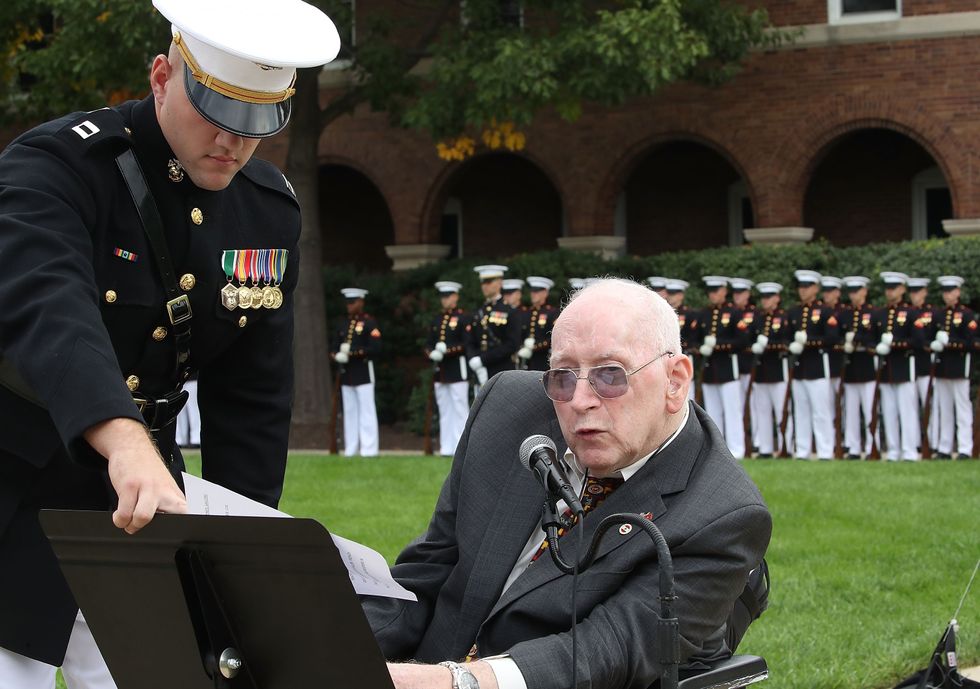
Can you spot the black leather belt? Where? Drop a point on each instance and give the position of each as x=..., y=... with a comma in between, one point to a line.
x=161, y=412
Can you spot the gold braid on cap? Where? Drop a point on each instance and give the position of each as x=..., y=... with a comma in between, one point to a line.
x=224, y=88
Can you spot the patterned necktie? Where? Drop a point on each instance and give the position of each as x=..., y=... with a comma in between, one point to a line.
x=596, y=490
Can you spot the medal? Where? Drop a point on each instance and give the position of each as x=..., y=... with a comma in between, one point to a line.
x=244, y=297
x=229, y=293
x=277, y=263
x=277, y=293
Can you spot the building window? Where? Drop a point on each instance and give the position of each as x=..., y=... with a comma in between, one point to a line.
x=931, y=204
x=451, y=228
x=740, y=214
x=854, y=11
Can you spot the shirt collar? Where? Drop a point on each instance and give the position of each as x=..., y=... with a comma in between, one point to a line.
x=627, y=472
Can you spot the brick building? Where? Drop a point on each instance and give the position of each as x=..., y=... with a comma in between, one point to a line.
x=867, y=128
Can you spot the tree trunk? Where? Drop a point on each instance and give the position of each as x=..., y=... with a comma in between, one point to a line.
x=311, y=405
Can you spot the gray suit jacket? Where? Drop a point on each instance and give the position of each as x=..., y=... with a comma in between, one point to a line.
x=710, y=512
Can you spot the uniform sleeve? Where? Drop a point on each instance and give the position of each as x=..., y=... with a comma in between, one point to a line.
x=372, y=346
x=51, y=329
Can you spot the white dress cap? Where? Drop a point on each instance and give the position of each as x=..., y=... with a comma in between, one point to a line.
x=677, y=285
x=511, y=285
x=590, y=281
x=713, y=281
x=918, y=283
x=893, y=278
x=657, y=282
x=768, y=288
x=538, y=282
x=354, y=292
x=950, y=281
x=489, y=272
x=830, y=282
x=241, y=57
x=739, y=284
x=856, y=281
x=576, y=283
x=807, y=277
x=448, y=286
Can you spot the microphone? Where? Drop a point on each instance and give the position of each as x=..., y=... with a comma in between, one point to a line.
x=539, y=454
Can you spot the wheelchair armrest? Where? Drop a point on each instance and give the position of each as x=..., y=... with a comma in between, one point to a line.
x=737, y=671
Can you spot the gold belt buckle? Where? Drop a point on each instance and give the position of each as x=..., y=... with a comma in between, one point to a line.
x=179, y=309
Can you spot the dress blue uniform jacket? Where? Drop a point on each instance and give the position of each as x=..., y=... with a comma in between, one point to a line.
x=449, y=327
x=64, y=212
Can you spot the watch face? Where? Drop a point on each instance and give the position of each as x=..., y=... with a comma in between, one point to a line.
x=466, y=680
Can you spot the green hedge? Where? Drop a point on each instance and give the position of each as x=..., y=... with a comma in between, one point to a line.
x=405, y=302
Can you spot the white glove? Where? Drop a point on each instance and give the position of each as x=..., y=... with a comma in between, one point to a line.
x=887, y=338
x=758, y=348
x=849, y=336
x=476, y=364
x=882, y=349
x=942, y=336
x=441, y=347
x=762, y=340
x=795, y=348
x=524, y=352
x=529, y=342
x=345, y=348
x=848, y=348
x=341, y=357
x=710, y=341
x=800, y=336
x=937, y=346
x=706, y=350
x=436, y=355
x=481, y=376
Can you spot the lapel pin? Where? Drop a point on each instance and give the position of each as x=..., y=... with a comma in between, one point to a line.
x=625, y=529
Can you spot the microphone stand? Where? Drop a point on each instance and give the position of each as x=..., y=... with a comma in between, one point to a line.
x=668, y=626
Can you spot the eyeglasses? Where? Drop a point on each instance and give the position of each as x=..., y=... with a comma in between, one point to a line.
x=609, y=381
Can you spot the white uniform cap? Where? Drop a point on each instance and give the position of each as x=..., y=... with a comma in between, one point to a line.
x=489, y=272
x=241, y=57
x=590, y=281
x=892, y=278
x=448, y=286
x=576, y=283
x=511, y=285
x=677, y=285
x=739, y=284
x=949, y=281
x=769, y=288
x=354, y=292
x=856, y=281
x=713, y=281
x=804, y=277
x=538, y=282
x=657, y=282
x=918, y=283
x=830, y=282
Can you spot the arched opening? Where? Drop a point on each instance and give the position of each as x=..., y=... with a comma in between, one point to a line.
x=499, y=204
x=684, y=195
x=875, y=185
x=354, y=219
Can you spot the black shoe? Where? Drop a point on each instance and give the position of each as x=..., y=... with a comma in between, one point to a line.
x=941, y=455
x=853, y=456
x=763, y=456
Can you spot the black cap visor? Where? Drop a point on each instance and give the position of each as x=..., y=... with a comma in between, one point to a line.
x=251, y=120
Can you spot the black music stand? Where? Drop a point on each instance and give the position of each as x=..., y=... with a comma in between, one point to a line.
x=204, y=602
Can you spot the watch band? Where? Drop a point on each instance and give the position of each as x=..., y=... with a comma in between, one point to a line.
x=462, y=678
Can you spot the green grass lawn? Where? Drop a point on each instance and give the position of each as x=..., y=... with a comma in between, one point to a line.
x=868, y=560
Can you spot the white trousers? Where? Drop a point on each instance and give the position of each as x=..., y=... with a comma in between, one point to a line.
x=724, y=405
x=900, y=417
x=767, y=413
x=954, y=410
x=189, y=419
x=922, y=389
x=360, y=420
x=83, y=668
x=812, y=417
x=454, y=406
x=858, y=398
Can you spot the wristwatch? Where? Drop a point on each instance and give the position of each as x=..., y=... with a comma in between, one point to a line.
x=462, y=678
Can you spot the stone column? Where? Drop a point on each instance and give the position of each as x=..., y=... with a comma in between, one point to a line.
x=408, y=256
x=606, y=246
x=778, y=235
x=962, y=227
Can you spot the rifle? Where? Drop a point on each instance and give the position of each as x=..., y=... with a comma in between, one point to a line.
x=335, y=411
x=927, y=411
x=875, y=453
x=787, y=398
x=427, y=431
x=839, y=412
x=747, y=407
x=976, y=429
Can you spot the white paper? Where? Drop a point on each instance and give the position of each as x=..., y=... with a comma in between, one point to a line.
x=367, y=569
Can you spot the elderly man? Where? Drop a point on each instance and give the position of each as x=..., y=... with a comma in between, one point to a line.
x=620, y=417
